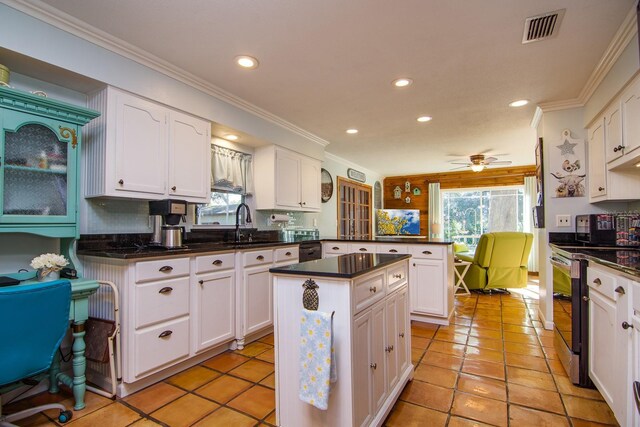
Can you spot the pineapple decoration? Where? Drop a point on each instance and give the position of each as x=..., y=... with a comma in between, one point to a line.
x=310, y=298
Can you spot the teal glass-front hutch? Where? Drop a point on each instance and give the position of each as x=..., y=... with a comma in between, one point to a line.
x=40, y=142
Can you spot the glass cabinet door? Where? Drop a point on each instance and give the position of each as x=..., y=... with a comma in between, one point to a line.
x=36, y=166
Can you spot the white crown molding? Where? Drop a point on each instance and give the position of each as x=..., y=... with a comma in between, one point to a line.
x=350, y=164
x=537, y=116
x=74, y=26
x=561, y=105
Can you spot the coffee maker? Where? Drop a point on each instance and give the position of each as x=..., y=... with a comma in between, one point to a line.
x=166, y=215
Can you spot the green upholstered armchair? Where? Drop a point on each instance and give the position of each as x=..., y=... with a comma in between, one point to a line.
x=500, y=261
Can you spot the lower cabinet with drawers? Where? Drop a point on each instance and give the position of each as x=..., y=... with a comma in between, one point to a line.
x=431, y=275
x=179, y=311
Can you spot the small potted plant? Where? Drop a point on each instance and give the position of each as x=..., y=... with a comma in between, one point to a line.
x=48, y=266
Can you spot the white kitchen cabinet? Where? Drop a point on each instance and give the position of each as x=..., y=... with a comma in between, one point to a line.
x=214, y=309
x=258, y=309
x=610, y=334
x=372, y=343
x=597, y=165
x=287, y=180
x=630, y=113
x=431, y=283
x=633, y=386
x=143, y=150
x=331, y=249
x=360, y=247
x=614, y=148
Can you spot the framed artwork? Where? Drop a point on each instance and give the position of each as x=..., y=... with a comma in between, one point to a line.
x=326, y=185
x=567, y=164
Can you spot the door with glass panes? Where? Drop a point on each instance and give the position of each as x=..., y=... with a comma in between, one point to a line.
x=38, y=170
x=354, y=210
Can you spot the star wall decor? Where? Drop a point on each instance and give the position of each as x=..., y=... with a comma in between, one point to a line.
x=566, y=148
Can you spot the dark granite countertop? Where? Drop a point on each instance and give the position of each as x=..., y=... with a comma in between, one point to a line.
x=391, y=239
x=626, y=260
x=343, y=267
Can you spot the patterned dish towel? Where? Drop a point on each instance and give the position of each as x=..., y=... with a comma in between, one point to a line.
x=317, y=358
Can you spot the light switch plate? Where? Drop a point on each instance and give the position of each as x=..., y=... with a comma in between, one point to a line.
x=563, y=220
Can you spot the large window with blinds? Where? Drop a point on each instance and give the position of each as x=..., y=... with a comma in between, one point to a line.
x=354, y=210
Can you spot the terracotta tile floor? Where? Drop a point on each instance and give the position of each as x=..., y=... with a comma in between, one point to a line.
x=492, y=366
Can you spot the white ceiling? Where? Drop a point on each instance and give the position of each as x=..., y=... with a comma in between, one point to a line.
x=327, y=65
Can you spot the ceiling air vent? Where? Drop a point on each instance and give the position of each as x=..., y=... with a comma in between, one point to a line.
x=542, y=27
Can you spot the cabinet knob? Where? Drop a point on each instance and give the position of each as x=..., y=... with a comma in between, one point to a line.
x=166, y=268
x=615, y=149
x=585, y=298
x=165, y=290
x=600, y=188
x=597, y=281
x=393, y=251
x=259, y=257
x=363, y=249
x=373, y=289
x=626, y=325
x=201, y=282
x=165, y=334
x=397, y=276
x=427, y=252
x=304, y=203
x=401, y=334
x=388, y=349
x=217, y=262
x=620, y=290
x=335, y=248
x=373, y=366
x=288, y=254
x=173, y=188
x=121, y=182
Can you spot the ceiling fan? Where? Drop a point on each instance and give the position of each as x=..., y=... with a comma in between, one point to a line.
x=477, y=162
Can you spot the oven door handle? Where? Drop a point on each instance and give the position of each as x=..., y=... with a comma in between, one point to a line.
x=636, y=394
x=556, y=262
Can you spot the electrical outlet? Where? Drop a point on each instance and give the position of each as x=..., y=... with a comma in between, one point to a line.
x=563, y=220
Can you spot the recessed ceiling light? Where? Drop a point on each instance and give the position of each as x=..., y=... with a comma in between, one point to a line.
x=519, y=103
x=423, y=119
x=247, y=62
x=231, y=137
x=637, y=165
x=352, y=131
x=402, y=82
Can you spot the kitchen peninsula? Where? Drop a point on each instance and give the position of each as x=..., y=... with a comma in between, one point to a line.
x=368, y=296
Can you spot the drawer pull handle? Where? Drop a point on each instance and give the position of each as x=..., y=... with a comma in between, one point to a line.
x=165, y=290
x=201, y=282
x=165, y=334
x=620, y=290
x=373, y=289
x=288, y=254
x=335, y=248
x=388, y=349
x=259, y=257
x=393, y=251
x=373, y=366
x=427, y=252
x=363, y=249
x=121, y=182
x=397, y=276
x=626, y=325
x=600, y=188
x=166, y=268
x=401, y=335
x=217, y=262
x=597, y=281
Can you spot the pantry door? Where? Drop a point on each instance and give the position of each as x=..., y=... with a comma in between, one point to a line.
x=354, y=210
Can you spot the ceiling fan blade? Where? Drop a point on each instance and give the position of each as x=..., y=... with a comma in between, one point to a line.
x=502, y=162
x=488, y=160
x=461, y=167
x=460, y=163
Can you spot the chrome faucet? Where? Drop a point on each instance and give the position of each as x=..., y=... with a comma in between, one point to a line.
x=247, y=221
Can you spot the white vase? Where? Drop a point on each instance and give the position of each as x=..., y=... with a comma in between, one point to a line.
x=44, y=275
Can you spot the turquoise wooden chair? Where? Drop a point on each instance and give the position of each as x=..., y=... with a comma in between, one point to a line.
x=35, y=319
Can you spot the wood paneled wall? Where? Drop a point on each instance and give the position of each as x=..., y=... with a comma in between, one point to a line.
x=448, y=180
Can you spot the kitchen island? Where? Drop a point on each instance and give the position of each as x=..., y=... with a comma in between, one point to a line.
x=368, y=296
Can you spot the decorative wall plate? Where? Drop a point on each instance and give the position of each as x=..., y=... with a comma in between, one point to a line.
x=416, y=191
x=326, y=185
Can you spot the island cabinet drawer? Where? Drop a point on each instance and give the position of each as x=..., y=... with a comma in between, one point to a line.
x=215, y=262
x=392, y=249
x=602, y=282
x=396, y=276
x=160, y=346
x=427, y=251
x=362, y=248
x=368, y=290
x=161, y=269
x=289, y=253
x=257, y=257
x=335, y=248
x=160, y=301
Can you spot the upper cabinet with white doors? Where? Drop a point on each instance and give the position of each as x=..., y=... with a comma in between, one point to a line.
x=286, y=180
x=143, y=150
x=613, y=140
